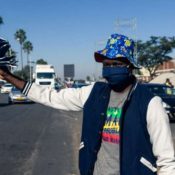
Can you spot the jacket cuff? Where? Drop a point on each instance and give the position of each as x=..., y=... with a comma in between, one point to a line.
x=26, y=88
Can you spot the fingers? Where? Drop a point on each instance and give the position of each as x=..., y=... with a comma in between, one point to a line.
x=1, y=71
x=1, y=77
x=1, y=74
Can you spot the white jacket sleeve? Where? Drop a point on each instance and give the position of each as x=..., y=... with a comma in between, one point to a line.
x=65, y=99
x=160, y=135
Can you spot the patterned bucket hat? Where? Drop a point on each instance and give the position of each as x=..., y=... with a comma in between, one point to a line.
x=118, y=47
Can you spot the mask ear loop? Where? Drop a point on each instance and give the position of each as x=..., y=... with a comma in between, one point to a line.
x=130, y=69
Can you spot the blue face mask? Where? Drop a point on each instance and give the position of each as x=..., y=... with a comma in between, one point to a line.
x=118, y=77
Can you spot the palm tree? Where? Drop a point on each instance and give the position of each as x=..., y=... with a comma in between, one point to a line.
x=27, y=47
x=20, y=36
x=1, y=20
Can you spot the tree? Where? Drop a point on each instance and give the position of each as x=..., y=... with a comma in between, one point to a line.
x=11, y=52
x=27, y=47
x=20, y=36
x=152, y=53
x=88, y=78
x=24, y=73
x=1, y=20
x=41, y=61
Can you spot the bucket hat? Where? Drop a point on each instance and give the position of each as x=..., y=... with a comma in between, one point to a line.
x=118, y=47
x=6, y=60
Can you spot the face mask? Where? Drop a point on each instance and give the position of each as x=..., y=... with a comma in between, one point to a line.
x=118, y=77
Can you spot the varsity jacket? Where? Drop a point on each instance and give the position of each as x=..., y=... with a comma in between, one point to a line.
x=146, y=142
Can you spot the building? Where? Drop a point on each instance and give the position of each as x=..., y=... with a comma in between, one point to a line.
x=163, y=76
x=168, y=66
x=144, y=75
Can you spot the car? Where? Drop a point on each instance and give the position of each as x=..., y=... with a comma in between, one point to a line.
x=58, y=86
x=79, y=85
x=167, y=95
x=6, y=88
x=2, y=82
x=15, y=96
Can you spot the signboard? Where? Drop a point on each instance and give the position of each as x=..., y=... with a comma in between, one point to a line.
x=69, y=70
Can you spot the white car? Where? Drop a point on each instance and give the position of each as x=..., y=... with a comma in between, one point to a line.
x=15, y=96
x=6, y=88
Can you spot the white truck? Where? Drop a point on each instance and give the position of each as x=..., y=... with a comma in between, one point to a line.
x=45, y=75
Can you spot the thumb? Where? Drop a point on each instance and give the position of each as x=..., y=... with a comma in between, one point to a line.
x=1, y=77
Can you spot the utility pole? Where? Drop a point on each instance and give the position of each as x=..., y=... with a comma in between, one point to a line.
x=127, y=26
x=30, y=69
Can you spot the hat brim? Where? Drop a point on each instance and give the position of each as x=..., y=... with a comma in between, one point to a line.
x=100, y=58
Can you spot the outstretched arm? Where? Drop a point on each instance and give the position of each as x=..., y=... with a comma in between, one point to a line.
x=9, y=77
x=66, y=99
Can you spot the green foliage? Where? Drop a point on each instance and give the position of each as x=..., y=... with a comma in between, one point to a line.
x=41, y=61
x=27, y=47
x=1, y=20
x=11, y=52
x=20, y=36
x=24, y=74
x=88, y=78
x=152, y=53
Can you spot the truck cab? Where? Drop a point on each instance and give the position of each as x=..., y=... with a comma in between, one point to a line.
x=45, y=75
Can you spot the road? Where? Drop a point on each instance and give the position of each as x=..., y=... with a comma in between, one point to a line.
x=37, y=140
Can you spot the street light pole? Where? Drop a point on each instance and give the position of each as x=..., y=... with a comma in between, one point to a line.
x=30, y=69
x=18, y=39
x=21, y=58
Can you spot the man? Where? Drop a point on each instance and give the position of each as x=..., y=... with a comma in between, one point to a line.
x=125, y=128
x=168, y=83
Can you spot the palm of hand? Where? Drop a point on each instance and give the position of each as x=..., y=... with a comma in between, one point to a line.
x=1, y=74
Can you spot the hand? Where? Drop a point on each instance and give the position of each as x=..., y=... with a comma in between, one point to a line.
x=1, y=78
x=3, y=72
x=7, y=76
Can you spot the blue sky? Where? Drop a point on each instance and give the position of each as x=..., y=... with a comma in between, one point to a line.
x=68, y=32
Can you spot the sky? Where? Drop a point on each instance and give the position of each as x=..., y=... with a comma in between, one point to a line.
x=70, y=31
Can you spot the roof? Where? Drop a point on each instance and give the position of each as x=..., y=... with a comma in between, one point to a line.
x=162, y=78
x=155, y=84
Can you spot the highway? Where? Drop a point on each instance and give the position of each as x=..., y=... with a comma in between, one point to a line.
x=37, y=140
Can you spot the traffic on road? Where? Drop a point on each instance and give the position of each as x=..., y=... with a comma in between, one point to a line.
x=39, y=140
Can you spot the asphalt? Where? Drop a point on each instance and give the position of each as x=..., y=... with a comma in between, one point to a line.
x=38, y=140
